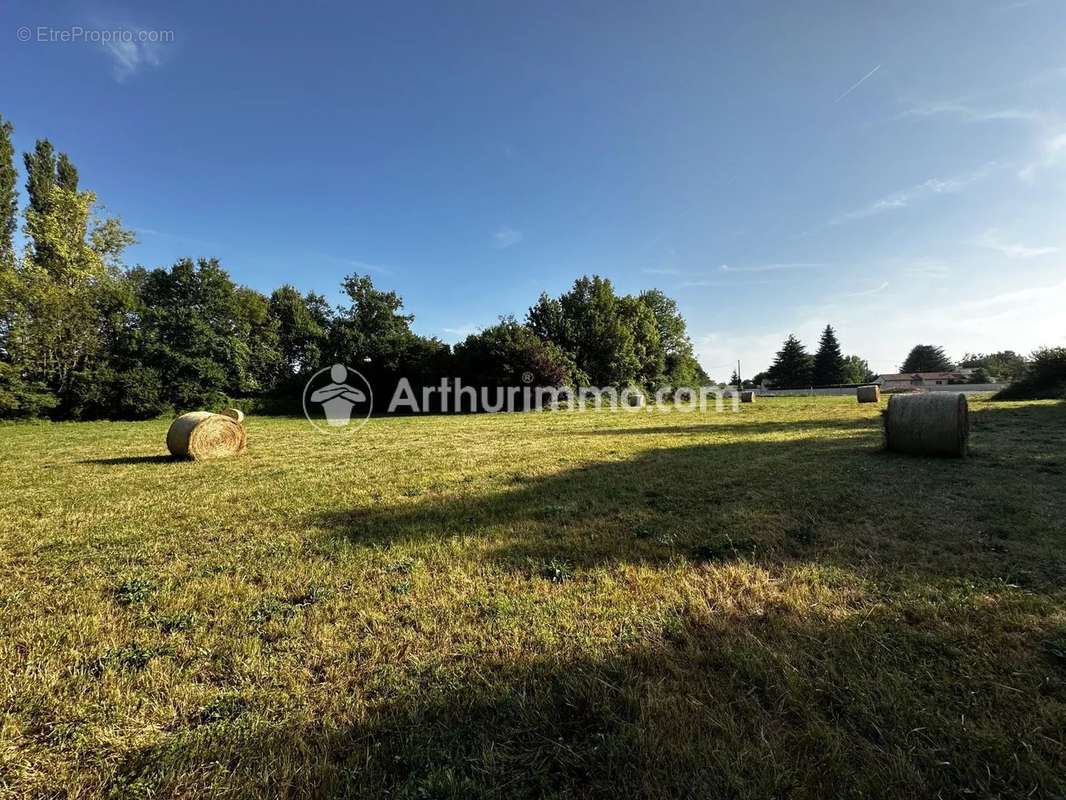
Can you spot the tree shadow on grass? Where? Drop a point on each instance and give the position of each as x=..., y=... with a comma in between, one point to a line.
x=753, y=428
x=774, y=704
x=838, y=500
x=929, y=688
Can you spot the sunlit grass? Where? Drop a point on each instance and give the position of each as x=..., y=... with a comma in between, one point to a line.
x=599, y=604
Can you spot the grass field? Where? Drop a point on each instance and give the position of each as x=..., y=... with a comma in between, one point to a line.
x=754, y=604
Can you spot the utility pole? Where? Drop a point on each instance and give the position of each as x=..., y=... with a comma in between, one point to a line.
x=740, y=383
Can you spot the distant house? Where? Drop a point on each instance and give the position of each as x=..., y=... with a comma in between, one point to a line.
x=921, y=380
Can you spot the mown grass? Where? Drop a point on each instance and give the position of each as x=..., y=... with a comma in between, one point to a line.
x=754, y=604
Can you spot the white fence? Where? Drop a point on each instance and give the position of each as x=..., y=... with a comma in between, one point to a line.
x=964, y=388
x=969, y=388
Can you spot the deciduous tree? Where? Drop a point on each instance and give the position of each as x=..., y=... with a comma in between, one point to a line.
x=857, y=370
x=303, y=328
x=507, y=353
x=1005, y=366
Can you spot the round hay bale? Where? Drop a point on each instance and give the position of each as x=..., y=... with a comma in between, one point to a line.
x=868, y=394
x=201, y=434
x=233, y=413
x=933, y=424
x=747, y=396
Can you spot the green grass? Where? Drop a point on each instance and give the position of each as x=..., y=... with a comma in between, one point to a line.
x=753, y=604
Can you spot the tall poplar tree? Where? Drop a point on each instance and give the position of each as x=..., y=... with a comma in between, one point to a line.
x=40, y=175
x=8, y=194
x=66, y=173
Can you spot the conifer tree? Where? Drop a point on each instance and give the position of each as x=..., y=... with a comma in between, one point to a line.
x=792, y=366
x=828, y=361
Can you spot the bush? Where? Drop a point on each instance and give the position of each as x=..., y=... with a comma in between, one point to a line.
x=1045, y=377
x=20, y=399
x=104, y=393
x=141, y=394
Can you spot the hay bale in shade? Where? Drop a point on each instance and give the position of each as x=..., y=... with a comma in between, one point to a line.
x=868, y=394
x=747, y=397
x=233, y=413
x=201, y=434
x=934, y=424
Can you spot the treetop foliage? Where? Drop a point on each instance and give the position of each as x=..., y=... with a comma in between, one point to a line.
x=8, y=195
x=829, y=365
x=927, y=358
x=793, y=366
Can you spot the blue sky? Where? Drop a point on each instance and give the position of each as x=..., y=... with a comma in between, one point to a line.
x=897, y=169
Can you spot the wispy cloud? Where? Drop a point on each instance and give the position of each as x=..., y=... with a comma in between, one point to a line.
x=1017, y=5
x=1016, y=297
x=462, y=331
x=771, y=267
x=1052, y=154
x=926, y=268
x=152, y=232
x=359, y=266
x=661, y=271
x=858, y=83
x=725, y=284
x=133, y=51
x=906, y=197
x=969, y=113
x=868, y=292
x=992, y=240
x=506, y=237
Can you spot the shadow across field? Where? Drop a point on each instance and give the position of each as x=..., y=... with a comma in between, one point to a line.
x=835, y=499
x=717, y=705
x=940, y=678
x=156, y=459
x=727, y=428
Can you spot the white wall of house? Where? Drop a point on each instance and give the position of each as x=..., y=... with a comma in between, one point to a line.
x=963, y=388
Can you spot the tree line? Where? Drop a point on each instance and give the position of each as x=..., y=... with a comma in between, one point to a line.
x=795, y=368
x=84, y=337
